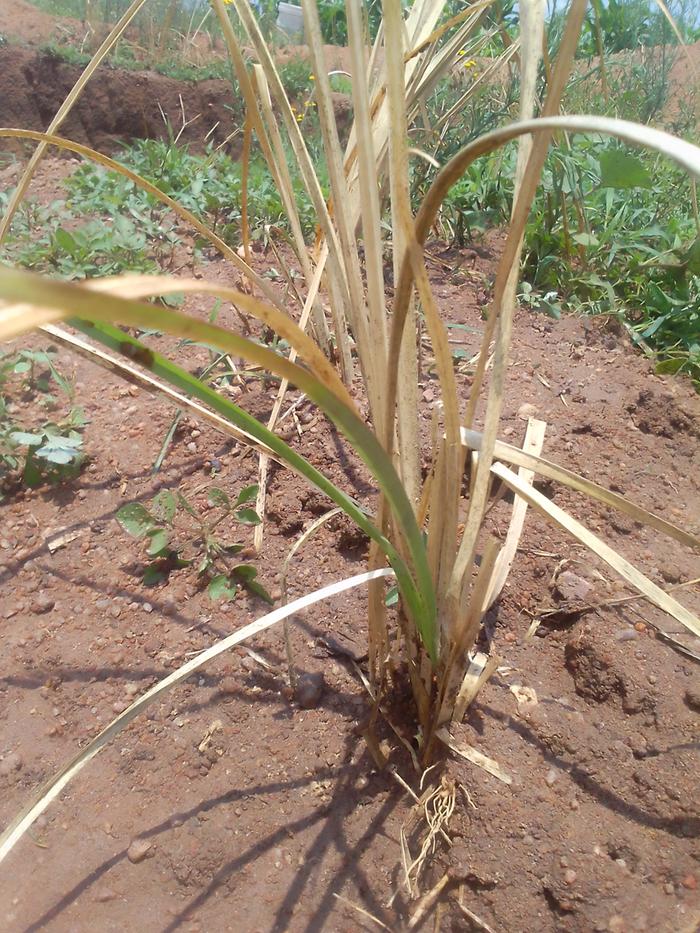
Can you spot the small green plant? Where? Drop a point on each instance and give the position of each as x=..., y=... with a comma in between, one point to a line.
x=334, y=26
x=178, y=535
x=478, y=201
x=63, y=52
x=94, y=249
x=29, y=364
x=209, y=185
x=50, y=451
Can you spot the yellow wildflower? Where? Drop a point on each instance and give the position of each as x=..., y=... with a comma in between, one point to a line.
x=462, y=52
x=312, y=77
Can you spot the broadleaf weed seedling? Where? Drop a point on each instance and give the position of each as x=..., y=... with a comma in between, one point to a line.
x=177, y=535
x=50, y=451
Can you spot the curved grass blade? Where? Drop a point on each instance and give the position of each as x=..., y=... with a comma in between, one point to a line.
x=125, y=370
x=53, y=787
x=94, y=156
x=52, y=300
x=149, y=286
x=618, y=563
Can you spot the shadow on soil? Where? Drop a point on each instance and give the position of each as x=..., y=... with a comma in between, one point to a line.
x=331, y=837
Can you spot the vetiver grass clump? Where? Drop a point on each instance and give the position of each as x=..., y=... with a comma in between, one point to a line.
x=425, y=533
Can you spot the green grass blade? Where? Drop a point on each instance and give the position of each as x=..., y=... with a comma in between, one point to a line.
x=48, y=300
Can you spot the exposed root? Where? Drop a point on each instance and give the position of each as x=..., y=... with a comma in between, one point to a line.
x=438, y=807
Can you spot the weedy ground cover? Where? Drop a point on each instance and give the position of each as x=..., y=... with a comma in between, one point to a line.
x=50, y=449
x=428, y=529
x=608, y=232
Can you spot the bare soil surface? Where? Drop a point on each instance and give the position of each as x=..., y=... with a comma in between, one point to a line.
x=24, y=21
x=229, y=806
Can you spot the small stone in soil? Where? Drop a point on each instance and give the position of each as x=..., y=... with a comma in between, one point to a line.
x=571, y=587
x=527, y=410
x=692, y=697
x=42, y=604
x=309, y=690
x=105, y=894
x=551, y=777
x=11, y=762
x=138, y=850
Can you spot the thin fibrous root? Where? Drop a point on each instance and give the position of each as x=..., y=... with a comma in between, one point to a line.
x=438, y=808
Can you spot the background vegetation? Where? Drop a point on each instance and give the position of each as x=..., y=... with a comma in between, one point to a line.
x=630, y=250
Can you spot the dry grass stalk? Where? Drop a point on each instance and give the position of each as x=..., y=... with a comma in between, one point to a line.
x=443, y=597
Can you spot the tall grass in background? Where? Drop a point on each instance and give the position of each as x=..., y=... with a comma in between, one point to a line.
x=344, y=333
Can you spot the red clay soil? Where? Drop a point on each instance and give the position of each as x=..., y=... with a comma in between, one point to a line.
x=118, y=105
x=230, y=807
x=684, y=81
x=21, y=20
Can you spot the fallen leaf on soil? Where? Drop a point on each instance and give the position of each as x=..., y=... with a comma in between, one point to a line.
x=215, y=727
x=475, y=757
x=62, y=540
x=524, y=696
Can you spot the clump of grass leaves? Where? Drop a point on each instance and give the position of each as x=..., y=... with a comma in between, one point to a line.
x=447, y=573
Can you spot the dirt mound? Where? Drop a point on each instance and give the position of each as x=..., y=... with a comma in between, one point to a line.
x=684, y=81
x=22, y=20
x=117, y=105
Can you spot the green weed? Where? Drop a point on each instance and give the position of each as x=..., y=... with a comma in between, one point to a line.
x=208, y=185
x=94, y=249
x=608, y=234
x=178, y=535
x=49, y=451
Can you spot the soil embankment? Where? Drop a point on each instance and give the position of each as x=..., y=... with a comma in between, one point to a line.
x=117, y=105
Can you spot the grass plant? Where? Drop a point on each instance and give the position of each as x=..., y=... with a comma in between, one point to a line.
x=423, y=531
